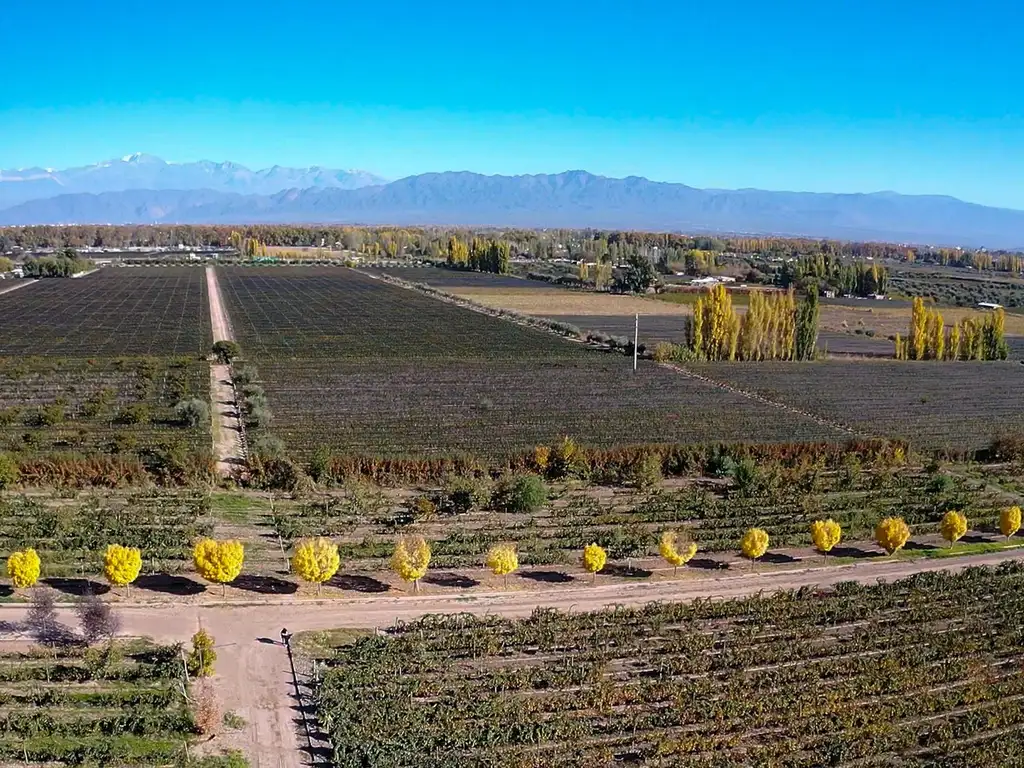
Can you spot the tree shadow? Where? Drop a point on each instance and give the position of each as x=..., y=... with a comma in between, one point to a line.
x=548, y=577
x=453, y=580
x=358, y=583
x=708, y=564
x=11, y=628
x=168, y=584
x=854, y=552
x=777, y=558
x=77, y=587
x=977, y=538
x=6, y=590
x=265, y=585
x=624, y=572
x=918, y=546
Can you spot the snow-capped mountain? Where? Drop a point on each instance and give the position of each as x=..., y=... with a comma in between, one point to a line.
x=142, y=171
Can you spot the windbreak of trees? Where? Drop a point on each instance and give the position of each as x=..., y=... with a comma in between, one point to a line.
x=482, y=255
x=774, y=327
x=968, y=339
x=64, y=263
x=832, y=273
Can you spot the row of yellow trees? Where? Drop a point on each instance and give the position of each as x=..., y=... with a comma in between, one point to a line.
x=316, y=561
x=968, y=339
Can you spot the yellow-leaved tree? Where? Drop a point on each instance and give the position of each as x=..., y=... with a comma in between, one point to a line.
x=594, y=558
x=411, y=559
x=754, y=543
x=825, y=534
x=953, y=527
x=892, y=534
x=503, y=559
x=1009, y=521
x=676, y=548
x=219, y=561
x=316, y=561
x=23, y=568
x=121, y=565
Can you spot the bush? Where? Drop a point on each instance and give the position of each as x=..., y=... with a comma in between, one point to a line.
x=521, y=494
x=644, y=472
x=9, y=472
x=192, y=412
x=135, y=414
x=226, y=351
x=202, y=657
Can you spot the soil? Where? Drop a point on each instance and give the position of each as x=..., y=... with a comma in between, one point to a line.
x=228, y=434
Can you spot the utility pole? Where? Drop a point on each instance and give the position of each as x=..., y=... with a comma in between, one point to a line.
x=636, y=340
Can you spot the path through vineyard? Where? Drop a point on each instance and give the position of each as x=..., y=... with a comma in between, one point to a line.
x=228, y=444
x=254, y=678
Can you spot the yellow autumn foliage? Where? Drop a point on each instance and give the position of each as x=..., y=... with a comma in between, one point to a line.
x=121, y=565
x=23, y=568
x=411, y=559
x=953, y=526
x=892, y=534
x=316, y=560
x=754, y=543
x=676, y=549
x=218, y=561
x=1009, y=521
x=502, y=559
x=594, y=558
x=825, y=534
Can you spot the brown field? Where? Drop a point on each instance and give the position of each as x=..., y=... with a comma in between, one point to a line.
x=545, y=301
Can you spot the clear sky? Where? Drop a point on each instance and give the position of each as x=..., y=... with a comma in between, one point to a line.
x=917, y=96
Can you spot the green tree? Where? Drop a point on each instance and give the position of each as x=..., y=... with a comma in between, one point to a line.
x=807, y=325
x=638, y=275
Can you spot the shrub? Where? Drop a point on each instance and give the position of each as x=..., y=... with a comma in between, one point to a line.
x=138, y=413
x=9, y=472
x=644, y=472
x=202, y=657
x=96, y=619
x=521, y=494
x=192, y=412
x=226, y=351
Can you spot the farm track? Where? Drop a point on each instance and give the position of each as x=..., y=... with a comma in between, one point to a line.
x=16, y=286
x=766, y=401
x=228, y=436
x=254, y=679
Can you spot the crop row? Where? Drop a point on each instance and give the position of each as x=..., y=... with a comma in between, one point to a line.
x=915, y=670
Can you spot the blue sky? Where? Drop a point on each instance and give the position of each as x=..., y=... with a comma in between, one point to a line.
x=908, y=95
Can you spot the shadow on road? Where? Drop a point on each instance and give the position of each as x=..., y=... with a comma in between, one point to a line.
x=357, y=583
x=168, y=584
x=548, y=577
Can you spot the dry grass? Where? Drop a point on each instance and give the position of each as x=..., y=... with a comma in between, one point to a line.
x=552, y=302
x=886, y=321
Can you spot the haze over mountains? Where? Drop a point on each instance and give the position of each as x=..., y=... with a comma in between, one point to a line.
x=142, y=189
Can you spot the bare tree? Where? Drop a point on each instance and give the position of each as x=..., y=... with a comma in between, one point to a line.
x=207, y=711
x=96, y=619
x=41, y=620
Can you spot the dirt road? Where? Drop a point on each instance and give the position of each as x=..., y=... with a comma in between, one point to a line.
x=221, y=324
x=254, y=679
x=228, y=437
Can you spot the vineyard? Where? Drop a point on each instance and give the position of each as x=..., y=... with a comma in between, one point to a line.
x=919, y=672
x=957, y=407
x=71, y=535
x=357, y=366
x=111, y=405
x=137, y=311
x=333, y=313
x=121, y=704
x=366, y=523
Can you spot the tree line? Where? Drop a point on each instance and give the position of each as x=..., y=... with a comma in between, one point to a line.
x=830, y=272
x=972, y=338
x=775, y=326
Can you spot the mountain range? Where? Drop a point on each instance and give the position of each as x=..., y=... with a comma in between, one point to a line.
x=141, y=189
x=142, y=171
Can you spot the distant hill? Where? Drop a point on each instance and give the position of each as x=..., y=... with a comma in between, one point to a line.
x=141, y=171
x=571, y=199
